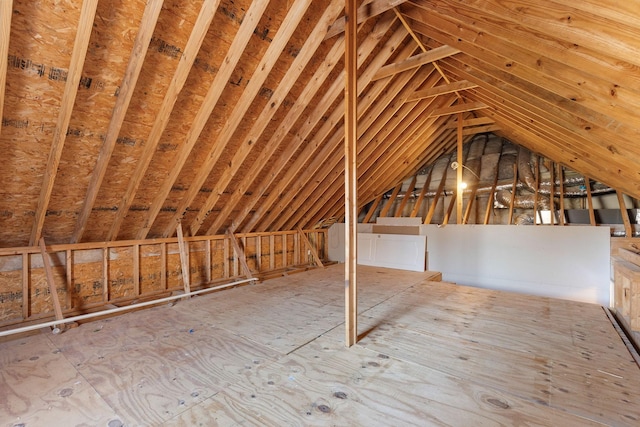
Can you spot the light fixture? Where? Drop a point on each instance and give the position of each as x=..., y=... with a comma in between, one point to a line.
x=463, y=185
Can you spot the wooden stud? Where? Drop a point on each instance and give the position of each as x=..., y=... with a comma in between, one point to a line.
x=207, y=251
x=26, y=301
x=452, y=202
x=183, y=247
x=258, y=253
x=387, y=207
x=310, y=247
x=537, y=216
x=423, y=191
x=163, y=265
x=226, y=257
x=552, y=193
x=592, y=215
x=561, y=180
x=351, y=174
x=85, y=25
x=105, y=274
x=272, y=252
x=372, y=209
x=514, y=186
x=136, y=269
x=6, y=11
x=473, y=122
x=240, y=255
x=127, y=87
x=407, y=194
x=628, y=230
x=489, y=209
x=69, y=275
x=416, y=61
x=284, y=250
x=187, y=59
x=459, y=170
x=434, y=202
x=52, y=284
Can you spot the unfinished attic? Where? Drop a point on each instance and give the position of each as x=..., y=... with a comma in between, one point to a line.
x=268, y=212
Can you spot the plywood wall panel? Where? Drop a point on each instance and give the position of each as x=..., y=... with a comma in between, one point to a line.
x=151, y=269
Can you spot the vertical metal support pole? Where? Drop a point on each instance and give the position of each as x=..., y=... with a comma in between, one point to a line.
x=459, y=199
x=350, y=174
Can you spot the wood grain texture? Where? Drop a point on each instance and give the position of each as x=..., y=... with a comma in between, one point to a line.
x=429, y=352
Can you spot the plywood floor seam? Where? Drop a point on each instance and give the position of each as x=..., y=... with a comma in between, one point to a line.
x=272, y=354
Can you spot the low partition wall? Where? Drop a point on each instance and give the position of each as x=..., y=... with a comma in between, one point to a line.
x=91, y=276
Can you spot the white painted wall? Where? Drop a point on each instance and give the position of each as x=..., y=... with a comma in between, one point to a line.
x=560, y=262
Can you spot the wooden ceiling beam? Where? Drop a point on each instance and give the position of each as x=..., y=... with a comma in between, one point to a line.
x=81, y=43
x=480, y=129
x=368, y=10
x=365, y=49
x=187, y=59
x=476, y=121
x=441, y=90
x=261, y=123
x=458, y=108
x=416, y=61
x=308, y=93
x=260, y=74
x=127, y=87
x=6, y=11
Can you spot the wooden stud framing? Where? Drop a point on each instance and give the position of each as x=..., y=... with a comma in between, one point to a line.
x=552, y=191
x=537, y=215
x=310, y=247
x=592, y=215
x=423, y=191
x=240, y=256
x=26, y=302
x=272, y=252
x=50, y=280
x=458, y=108
x=407, y=194
x=138, y=53
x=459, y=170
x=207, y=251
x=187, y=59
x=85, y=25
x=434, y=202
x=489, y=209
x=69, y=275
x=366, y=11
x=372, y=209
x=163, y=265
x=105, y=275
x=226, y=257
x=351, y=174
x=561, y=180
x=514, y=186
x=452, y=202
x=184, y=259
x=628, y=230
x=136, y=269
x=387, y=207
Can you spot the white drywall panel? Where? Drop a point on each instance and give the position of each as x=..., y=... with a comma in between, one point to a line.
x=560, y=262
x=405, y=252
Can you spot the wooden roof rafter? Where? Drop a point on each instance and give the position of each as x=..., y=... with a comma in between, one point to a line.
x=298, y=171
x=187, y=59
x=134, y=66
x=80, y=46
x=369, y=9
x=336, y=89
x=6, y=10
x=296, y=68
x=269, y=59
x=292, y=116
x=377, y=120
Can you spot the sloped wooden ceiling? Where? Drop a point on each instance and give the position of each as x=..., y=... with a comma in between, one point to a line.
x=121, y=117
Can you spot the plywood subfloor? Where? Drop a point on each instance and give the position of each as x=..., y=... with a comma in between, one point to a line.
x=272, y=354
